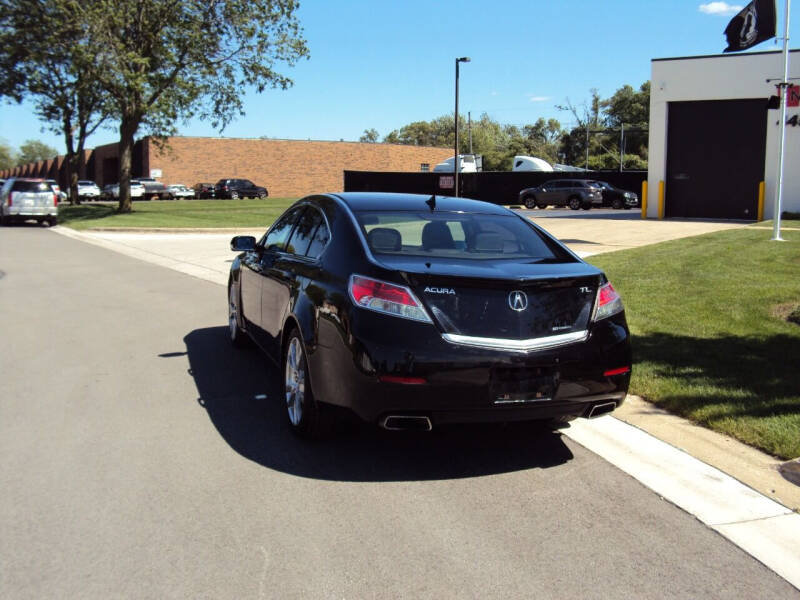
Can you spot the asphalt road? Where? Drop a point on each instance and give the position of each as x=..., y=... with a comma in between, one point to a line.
x=138, y=460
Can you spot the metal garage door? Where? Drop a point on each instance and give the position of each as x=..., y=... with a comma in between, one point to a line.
x=715, y=158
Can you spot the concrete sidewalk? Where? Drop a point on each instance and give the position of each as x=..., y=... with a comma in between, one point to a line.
x=731, y=487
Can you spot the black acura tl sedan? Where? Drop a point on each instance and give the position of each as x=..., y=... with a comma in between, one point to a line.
x=414, y=311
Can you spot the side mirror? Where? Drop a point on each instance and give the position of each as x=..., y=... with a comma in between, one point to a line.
x=243, y=243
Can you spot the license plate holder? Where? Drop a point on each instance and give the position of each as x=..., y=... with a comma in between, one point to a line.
x=522, y=385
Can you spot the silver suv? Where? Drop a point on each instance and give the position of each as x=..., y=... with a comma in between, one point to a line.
x=575, y=193
x=23, y=199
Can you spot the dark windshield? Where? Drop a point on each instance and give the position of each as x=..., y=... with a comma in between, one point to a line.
x=457, y=235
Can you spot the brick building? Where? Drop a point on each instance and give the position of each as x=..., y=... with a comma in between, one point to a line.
x=287, y=168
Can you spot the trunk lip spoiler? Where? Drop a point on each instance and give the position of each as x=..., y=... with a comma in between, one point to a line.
x=509, y=345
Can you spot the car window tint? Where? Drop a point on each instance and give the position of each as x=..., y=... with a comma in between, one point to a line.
x=306, y=226
x=319, y=240
x=277, y=236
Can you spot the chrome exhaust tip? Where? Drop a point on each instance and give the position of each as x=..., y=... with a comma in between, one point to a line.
x=599, y=410
x=406, y=423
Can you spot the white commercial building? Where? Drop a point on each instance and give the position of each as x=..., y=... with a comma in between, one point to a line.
x=713, y=140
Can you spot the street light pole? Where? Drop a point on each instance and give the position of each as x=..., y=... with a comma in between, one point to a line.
x=456, y=162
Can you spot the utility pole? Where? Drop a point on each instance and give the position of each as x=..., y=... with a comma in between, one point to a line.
x=776, y=218
x=456, y=162
x=469, y=128
x=587, y=145
x=621, y=145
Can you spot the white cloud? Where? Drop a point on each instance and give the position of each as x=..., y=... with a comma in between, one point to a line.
x=539, y=98
x=720, y=8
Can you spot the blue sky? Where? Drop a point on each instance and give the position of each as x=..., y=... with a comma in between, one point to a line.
x=378, y=64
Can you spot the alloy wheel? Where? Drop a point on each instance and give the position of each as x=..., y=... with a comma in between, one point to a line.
x=295, y=382
x=233, y=324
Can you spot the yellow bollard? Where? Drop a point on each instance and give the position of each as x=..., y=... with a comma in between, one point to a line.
x=644, y=199
x=660, y=199
x=761, y=190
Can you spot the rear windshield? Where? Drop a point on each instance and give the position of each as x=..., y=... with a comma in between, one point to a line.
x=31, y=186
x=457, y=235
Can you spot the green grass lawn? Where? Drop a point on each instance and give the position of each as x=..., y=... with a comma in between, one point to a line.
x=710, y=338
x=257, y=214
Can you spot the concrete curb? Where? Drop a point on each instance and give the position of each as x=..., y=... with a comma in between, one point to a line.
x=766, y=530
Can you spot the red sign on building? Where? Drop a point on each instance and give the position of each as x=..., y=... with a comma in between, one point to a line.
x=793, y=97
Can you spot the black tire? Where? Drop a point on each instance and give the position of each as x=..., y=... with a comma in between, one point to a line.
x=617, y=203
x=262, y=194
x=530, y=202
x=303, y=413
x=574, y=202
x=586, y=205
x=236, y=334
x=234, y=195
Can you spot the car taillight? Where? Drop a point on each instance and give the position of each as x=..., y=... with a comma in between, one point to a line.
x=11, y=198
x=608, y=302
x=387, y=298
x=55, y=199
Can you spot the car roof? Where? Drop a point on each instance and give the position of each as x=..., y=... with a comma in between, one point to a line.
x=359, y=201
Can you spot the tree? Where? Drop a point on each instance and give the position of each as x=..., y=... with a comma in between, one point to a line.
x=627, y=110
x=497, y=143
x=8, y=158
x=35, y=150
x=52, y=71
x=370, y=136
x=164, y=60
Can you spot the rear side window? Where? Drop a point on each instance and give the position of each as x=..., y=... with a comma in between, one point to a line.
x=306, y=227
x=277, y=236
x=457, y=235
x=31, y=186
x=318, y=241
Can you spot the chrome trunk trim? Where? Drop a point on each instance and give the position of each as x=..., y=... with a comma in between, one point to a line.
x=530, y=345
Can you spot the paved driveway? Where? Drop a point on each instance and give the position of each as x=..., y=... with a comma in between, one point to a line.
x=606, y=230
x=143, y=457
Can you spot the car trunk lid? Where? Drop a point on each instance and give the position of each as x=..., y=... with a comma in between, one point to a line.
x=511, y=300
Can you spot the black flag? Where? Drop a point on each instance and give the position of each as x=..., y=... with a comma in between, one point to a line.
x=754, y=24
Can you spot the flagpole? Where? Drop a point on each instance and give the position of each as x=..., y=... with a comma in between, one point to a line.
x=776, y=218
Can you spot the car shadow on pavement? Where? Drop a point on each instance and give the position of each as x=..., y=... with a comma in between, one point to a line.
x=240, y=391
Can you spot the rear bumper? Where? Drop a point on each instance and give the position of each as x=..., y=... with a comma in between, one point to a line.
x=451, y=383
x=29, y=212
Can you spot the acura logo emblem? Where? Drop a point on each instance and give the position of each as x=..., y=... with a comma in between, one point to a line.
x=518, y=301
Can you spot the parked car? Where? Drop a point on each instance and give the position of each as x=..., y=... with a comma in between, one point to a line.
x=111, y=191
x=239, y=188
x=62, y=196
x=204, y=190
x=153, y=190
x=88, y=190
x=616, y=197
x=575, y=193
x=24, y=198
x=413, y=311
x=178, y=190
